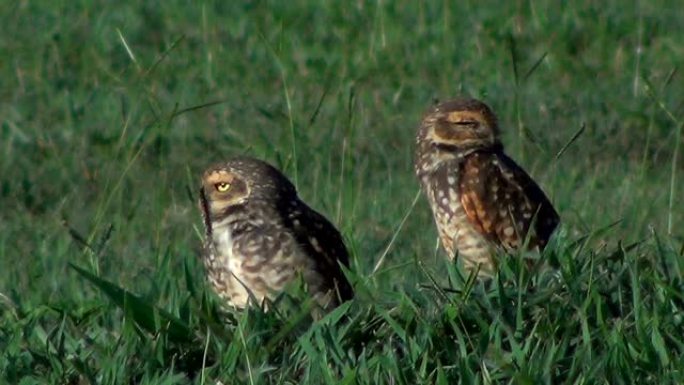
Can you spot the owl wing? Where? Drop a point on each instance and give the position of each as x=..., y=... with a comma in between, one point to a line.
x=321, y=240
x=504, y=203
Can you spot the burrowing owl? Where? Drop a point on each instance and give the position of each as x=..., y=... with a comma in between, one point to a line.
x=260, y=236
x=481, y=199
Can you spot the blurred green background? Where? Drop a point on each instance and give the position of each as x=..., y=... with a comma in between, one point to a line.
x=109, y=112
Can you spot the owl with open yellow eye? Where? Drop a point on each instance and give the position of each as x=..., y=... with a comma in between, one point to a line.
x=259, y=237
x=480, y=198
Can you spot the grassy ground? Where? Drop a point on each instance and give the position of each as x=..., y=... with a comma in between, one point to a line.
x=109, y=113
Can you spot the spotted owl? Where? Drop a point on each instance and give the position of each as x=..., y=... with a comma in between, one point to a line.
x=480, y=198
x=259, y=237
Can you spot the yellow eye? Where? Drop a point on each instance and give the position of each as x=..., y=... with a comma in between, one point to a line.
x=222, y=186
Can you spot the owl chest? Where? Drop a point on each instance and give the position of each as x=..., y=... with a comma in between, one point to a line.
x=258, y=264
x=457, y=234
x=225, y=257
x=224, y=269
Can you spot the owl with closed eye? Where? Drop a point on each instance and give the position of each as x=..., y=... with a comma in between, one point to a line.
x=480, y=198
x=260, y=236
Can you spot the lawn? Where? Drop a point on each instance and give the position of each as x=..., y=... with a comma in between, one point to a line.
x=109, y=113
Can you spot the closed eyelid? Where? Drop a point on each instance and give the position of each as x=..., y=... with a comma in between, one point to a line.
x=464, y=117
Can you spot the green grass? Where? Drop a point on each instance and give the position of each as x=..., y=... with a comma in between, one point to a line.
x=109, y=113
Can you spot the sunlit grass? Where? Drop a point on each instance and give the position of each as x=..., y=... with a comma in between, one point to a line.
x=109, y=113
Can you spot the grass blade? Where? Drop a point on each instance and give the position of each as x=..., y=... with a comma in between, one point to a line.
x=146, y=315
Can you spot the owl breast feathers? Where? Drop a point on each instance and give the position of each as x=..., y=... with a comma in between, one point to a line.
x=481, y=199
x=260, y=237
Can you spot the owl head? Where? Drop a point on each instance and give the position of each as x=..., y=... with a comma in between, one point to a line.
x=452, y=130
x=460, y=124
x=240, y=182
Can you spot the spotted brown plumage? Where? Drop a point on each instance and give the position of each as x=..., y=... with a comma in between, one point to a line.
x=480, y=198
x=259, y=237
